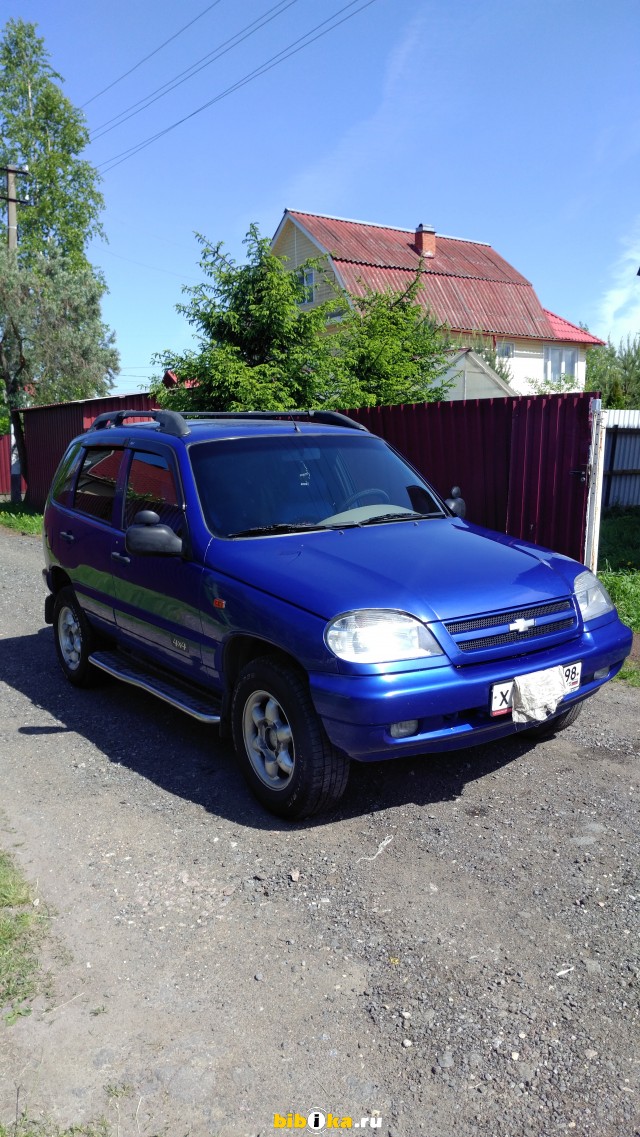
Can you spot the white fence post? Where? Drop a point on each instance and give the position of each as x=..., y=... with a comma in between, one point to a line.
x=596, y=476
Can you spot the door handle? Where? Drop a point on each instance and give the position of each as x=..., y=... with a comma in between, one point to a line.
x=67, y=536
x=123, y=560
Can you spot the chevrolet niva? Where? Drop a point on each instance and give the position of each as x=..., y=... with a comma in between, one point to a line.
x=292, y=578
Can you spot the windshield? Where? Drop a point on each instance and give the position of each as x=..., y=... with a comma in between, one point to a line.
x=284, y=483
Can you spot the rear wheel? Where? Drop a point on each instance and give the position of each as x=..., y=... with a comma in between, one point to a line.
x=551, y=726
x=74, y=640
x=283, y=750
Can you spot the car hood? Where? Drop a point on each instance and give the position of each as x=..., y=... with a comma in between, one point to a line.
x=436, y=569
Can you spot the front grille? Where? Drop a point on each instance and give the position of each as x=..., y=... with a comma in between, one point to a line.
x=493, y=630
x=515, y=637
x=455, y=627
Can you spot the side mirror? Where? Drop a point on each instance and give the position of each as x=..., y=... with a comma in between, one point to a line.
x=147, y=537
x=456, y=502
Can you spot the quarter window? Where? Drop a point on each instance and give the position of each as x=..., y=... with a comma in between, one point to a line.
x=151, y=485
x=62, y=488
x=96, y=488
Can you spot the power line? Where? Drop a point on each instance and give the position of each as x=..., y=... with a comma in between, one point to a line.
x=280, y=57
x=151, y=53
x=199, y=65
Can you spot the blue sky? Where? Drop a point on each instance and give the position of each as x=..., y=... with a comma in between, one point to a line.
x=517, y=124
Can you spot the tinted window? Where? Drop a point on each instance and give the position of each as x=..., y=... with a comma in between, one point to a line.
x=96, y=486
x=281, y=480
x=62, y=488
x=151, y=485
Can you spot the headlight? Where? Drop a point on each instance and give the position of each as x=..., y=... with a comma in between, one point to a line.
x=378, y=636
x=592, y=596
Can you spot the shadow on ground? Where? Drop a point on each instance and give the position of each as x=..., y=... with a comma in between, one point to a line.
x=188, y=759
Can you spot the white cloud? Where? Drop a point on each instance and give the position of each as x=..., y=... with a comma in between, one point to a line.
x=619, y=308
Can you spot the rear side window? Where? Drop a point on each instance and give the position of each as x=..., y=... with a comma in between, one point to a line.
x=96, y=487
x=151, y=485
x=62, y=488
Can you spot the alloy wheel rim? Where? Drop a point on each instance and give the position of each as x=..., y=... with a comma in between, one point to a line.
x=268, y=740
x=70, y=638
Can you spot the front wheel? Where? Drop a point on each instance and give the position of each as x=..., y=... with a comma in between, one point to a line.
x=74, y=640
x=285, y=755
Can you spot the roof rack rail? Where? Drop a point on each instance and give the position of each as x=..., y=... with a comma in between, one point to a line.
x=327, y=418
x=170, y=422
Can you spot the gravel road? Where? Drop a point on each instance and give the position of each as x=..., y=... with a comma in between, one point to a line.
x=454, y=952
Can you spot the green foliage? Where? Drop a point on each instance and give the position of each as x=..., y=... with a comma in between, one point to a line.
x=562, y=385
x=40, y=128
x=386, y=351
x=53, y=344
x=616, y=373
x=620, y=538
x=261, y=348
x=624, y=590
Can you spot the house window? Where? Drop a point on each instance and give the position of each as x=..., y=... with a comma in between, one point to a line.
x=307, y=281
x=505, y=349
x=560, y=363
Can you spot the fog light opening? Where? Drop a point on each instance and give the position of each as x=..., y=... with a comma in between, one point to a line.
x=404, y=729
x=601, y=673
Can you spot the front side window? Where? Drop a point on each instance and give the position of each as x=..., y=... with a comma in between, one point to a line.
x=560, y=362
x=265, y=483
x=151, y=485
x=96, y=486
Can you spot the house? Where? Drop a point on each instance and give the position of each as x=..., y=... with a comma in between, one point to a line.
x=464, y=284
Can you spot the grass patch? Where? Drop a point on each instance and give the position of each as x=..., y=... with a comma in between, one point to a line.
x=630, y=672
x=624, y=588
x=20, y=933
x=620, y=537
x=21, y=519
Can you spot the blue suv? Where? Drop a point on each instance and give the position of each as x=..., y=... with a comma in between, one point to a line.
x=292, y=578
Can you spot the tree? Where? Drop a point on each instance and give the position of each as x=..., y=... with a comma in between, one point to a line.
x=53, y=344
x=40, y=128
x=260, y=346
x=387, y=351
x=616, y=373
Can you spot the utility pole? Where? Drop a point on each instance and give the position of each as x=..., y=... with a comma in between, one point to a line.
x=13, y=202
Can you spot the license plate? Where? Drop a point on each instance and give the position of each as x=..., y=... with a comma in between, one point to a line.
x=502, y=693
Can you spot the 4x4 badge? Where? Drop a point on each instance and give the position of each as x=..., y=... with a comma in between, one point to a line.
x=180, y=644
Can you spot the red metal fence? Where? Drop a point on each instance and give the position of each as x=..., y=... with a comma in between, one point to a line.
x=521, y=462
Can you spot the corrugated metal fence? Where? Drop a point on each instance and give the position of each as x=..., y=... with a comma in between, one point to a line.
x=621, y=458
x=521, y=462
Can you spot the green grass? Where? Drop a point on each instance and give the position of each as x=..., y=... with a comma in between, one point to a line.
x=624, y=588
x=20, y=518
x=20, y=934
x=620, y=537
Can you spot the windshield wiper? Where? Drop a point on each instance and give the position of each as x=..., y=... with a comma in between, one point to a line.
x=415, y=516
x=281, y=527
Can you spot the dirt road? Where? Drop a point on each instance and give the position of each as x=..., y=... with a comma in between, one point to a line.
x=453, y=952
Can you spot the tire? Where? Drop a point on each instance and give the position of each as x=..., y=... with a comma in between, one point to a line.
x=560, y=722
x=283, y=751
x=74, y=640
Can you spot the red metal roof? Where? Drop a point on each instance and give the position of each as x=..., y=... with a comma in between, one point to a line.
x=466, y=284
x=565, y=331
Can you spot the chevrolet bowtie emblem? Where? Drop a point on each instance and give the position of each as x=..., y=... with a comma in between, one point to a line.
x=521, y=625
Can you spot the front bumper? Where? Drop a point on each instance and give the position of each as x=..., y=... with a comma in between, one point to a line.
x=451, y=704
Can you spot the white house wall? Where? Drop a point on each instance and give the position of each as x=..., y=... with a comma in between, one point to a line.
x=527, y=364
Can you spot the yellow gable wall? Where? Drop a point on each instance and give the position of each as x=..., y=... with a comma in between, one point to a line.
x=296, y=247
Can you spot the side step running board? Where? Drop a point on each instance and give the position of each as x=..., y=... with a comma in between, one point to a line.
x=177, y=696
